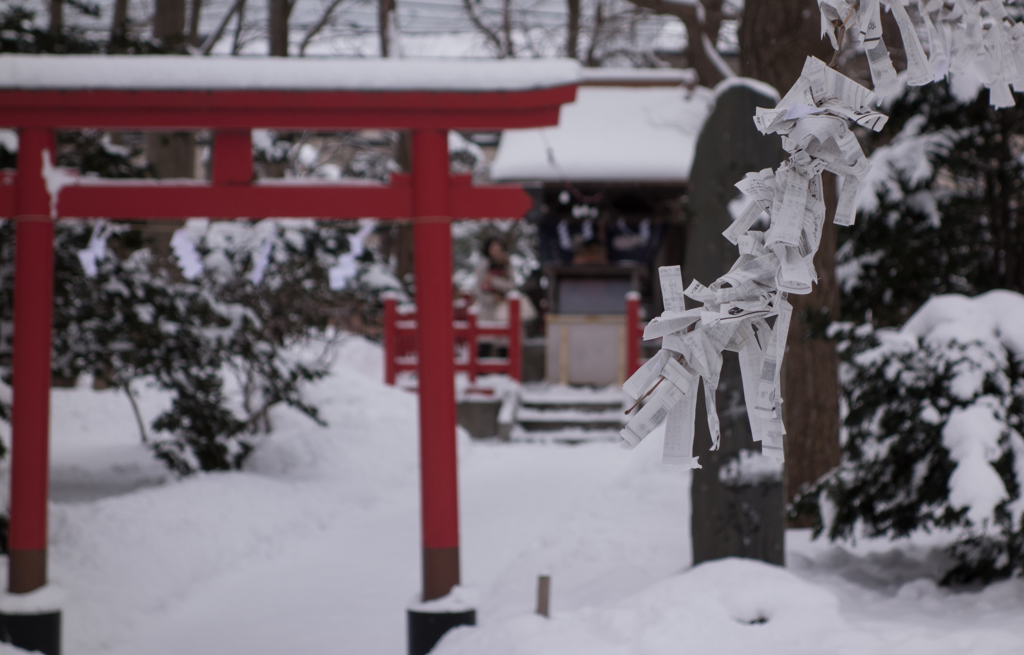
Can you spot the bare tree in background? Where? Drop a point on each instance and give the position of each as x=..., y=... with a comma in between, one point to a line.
x=572, y=38
x=499, y=37
x=56, y=16
x=118, y=24
x=237, y=40
x=385, y=20
x=325, y=18
x=169, y=23
x=193, y=22
x=279, y=13
x=237, y=7
x=702, y=21
x=172, y=154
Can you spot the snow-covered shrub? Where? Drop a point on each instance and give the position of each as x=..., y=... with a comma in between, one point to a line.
x=939, y=211
x=933, y=432
x=21, y=32
x=260, y=290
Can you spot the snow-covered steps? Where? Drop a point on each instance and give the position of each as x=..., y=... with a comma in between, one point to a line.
x=557, y=395
x=552, y=419
x=564, y=414
x=569, y=435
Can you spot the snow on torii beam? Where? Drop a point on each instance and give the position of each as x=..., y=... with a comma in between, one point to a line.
x=40, y=94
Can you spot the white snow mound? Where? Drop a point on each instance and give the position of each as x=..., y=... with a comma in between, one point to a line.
x=726, y=606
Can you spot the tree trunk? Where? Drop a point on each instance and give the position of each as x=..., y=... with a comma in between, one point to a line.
x=699, y=22
x=280, y=12
x=171, y=154
x=810, y=371
x=400, y=239
x=169, y=23
x=572, y=41
x=384, y=9
x=776, y=36
x=506, y=27
x=56, y=17
x=118, y=24
x=236, y=41
x=193, y=22
x=698, y=58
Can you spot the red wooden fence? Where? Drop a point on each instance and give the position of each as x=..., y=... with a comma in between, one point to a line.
x=401, y=344
x=634, y=333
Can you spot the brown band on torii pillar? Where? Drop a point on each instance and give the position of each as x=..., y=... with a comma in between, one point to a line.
x=27, y=570
x=440, y=571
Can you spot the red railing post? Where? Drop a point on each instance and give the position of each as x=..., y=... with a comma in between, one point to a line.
x=390, y=337
x=515, y=339
x=232, y=158
x=473, y=347
x=634, y=335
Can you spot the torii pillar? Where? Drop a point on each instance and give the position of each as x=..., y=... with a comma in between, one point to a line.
x=433, y=269
x=36, y=626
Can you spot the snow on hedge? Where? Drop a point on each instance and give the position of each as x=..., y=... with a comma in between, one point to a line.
x=991, y=327
x=934, y=423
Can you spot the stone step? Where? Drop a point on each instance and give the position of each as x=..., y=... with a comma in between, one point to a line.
x=566, y=435
x=571, y=416
x=584, y=399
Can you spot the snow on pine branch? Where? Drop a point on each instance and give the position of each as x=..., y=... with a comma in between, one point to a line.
x=933, y=424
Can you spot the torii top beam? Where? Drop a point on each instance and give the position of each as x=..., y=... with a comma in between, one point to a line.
x=205, y=92
x=234, y=95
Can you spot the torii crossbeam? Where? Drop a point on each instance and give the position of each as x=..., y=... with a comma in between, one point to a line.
x=42, y=94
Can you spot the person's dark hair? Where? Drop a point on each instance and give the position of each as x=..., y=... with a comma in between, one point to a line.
x=487, y=247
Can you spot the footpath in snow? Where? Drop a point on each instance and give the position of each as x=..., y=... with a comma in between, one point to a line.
x=315, y=548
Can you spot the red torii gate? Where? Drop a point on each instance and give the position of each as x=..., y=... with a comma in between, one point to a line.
x=41, y=94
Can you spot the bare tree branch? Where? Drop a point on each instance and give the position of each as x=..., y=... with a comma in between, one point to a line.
x=491, y=35
x=699, y=20
x=119, y=24
x=325, y=18
x=595, y=35
x=193, y=22
x=573, y=36
x=506, y=25
x=211, y=40
x=236, y=41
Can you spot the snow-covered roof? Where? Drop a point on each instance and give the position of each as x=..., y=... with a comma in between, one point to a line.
x=610, y=134
x=637, y=76
x=163, y=72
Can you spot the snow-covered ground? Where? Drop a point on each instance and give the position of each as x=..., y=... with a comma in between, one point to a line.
x=314, y=548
